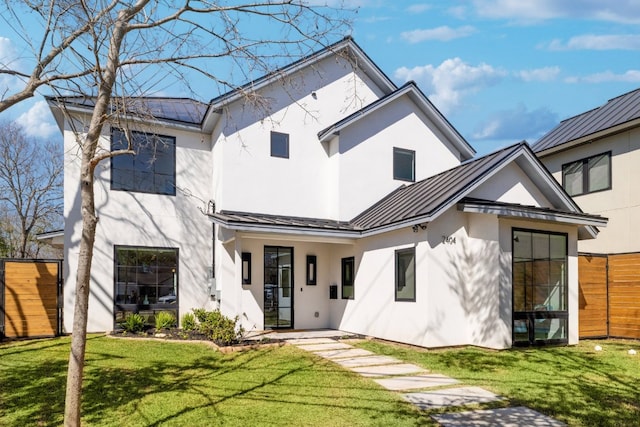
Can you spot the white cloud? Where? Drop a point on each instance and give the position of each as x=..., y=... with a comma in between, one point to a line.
x=544, y=74
x=418, y=8
x=622, y=11
x=38, y=121
x=459, y=12
x=9, y=60
x=443, y=33
x=630, y=76
x=448, y=83
x=517, y=124
x=598, y=42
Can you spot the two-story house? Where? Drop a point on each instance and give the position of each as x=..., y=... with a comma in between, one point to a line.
x=328, y=198
x=595, y=156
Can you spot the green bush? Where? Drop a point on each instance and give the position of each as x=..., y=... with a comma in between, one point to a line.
x=133, y=323
x=201, y=314
x=165, y=320
x=219, y=328
x=189, y=322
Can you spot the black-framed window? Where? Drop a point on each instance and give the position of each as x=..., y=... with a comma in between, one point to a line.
x=405, y=283
x=404, y=164
x=311, y=270
x=587, y=175
x=348, y=273
x=246, y=268
x=151, y=170
x=145, y=281
x=279, y=145
x=540, y=287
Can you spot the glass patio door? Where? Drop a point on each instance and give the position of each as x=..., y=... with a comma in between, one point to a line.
x=278, y=287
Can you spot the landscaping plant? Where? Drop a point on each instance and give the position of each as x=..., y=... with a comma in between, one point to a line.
x=165, y=320
x=133, y=323
x=189, y=322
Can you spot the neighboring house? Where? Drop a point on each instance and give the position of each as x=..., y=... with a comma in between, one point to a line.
x=595, y=156
x=351, y=204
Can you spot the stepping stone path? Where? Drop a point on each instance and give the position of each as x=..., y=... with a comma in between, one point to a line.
x=423, y=389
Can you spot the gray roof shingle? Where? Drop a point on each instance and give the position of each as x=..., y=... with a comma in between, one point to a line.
x=617, y=111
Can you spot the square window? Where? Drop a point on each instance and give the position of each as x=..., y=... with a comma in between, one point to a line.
x=587, y=175
x=280, y=145
x=404, y=164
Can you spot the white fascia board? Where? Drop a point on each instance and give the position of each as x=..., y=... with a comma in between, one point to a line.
x=524, y=212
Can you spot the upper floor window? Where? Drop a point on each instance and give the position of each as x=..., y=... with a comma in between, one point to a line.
x=404, y=164
x=151, y=170
x=587, y=175
x=280, y=145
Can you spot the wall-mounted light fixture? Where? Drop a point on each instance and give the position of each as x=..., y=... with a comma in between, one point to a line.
x=418, y=227
x=311, y=270
x=246, y=268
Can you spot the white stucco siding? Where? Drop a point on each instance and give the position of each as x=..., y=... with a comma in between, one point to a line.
x=366, y=155
x=250, y=179
x=511, y=185
x=621, y=204
x=138, y=219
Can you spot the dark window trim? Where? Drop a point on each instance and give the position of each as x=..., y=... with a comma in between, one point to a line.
x=585, y=174
x=246, y=258
x=173, y=189
x=398, y=277
x=312, y=270
x=286, y=155
x=136, y=307
x=413, y=165
x=530, y=316
x=345, y=261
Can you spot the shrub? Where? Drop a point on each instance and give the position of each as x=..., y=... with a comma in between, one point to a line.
x=188, y=322
x=201, y=314
x=133, y=323
x=165, y=320
x=218, y=328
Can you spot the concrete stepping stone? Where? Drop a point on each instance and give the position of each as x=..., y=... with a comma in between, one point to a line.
x=354, y=362
x=324, y=346
x=504, y=417
x=416, y=381
x=451, y=397
x=344, y=353
x=388, y=370
x=309, y=341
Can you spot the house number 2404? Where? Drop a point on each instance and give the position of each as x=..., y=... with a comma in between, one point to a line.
x=449, y=240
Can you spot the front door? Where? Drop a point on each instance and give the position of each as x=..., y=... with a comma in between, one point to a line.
x=278, y=287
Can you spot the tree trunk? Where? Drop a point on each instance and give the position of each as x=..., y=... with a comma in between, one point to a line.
x=80, y=312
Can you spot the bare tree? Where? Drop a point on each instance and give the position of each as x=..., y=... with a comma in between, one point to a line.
x=112, y=50
x=30, y=189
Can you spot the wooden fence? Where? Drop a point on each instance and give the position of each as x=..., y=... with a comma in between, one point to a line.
x=609, y=288
x=29, y=298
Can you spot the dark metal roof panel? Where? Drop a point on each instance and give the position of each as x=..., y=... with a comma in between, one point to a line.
x=616, y=111
x=425, y=197
x=281, y=220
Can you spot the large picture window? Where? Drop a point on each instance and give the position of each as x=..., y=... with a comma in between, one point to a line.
x=540, y=311
x=151, y=170
x=406, y=275
x=587, y=175
x=146, y=281
x=404, y=164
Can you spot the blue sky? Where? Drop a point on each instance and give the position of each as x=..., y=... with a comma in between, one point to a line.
x=500, y=70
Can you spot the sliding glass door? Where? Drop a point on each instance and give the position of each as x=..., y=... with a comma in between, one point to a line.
x=540, y=312
x=278, y=287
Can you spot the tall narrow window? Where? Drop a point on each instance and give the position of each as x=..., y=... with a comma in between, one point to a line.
x=348, y=277
x=280, y=145
x=406, y=274
x=587, y=175
x=151, y=170
x=404, y=164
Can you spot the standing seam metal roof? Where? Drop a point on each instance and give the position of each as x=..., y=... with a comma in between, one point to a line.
x=615, y=112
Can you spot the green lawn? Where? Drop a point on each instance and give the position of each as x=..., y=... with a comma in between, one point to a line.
x=576, y=385
x=145, y=383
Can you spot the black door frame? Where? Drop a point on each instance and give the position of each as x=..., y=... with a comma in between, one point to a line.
x=278, y=287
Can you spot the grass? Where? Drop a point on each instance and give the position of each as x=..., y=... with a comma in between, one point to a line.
x=576, y=384
x=147, y=383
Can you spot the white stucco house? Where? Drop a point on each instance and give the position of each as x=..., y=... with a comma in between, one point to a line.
x=348, y=203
